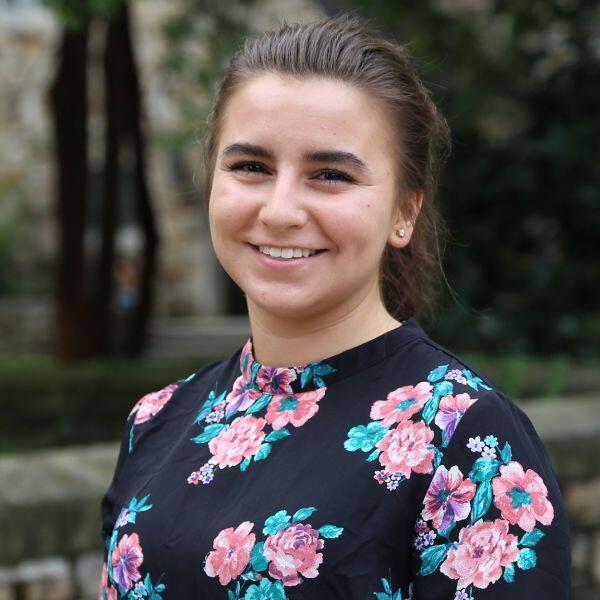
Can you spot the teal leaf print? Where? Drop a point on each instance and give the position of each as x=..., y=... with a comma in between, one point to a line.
x=388, y=594
x=208, y=405
x=484, y=469
x=210, y=431
x=305, y=376
x=363, y=437
x=303, y=513
x=277, y=434
x=386, y=585
x=245, y=464
x=531, y=538
x=374, y=455
x=437, y=373
x=527, y=559
x=437, y=456
x=509, y=573
x=444, y=388
x=430, y=408
x=446, y=532
x=259, y=404
x=263, y=452
x=473, y=381
x=324, y=369
x=257, y=558
x=433, y=557
x=250, y=576
x=266, y=590
x=482, y=500
x=330, y=531
x=276, y=522
x=506, y=454
x=188, y=378
x=139, y=505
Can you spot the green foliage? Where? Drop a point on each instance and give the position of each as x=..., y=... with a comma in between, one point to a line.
x=74, y=13
x=219, y=28
x=518, y=83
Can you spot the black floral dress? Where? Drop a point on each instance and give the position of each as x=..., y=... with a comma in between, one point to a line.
x=391, y=470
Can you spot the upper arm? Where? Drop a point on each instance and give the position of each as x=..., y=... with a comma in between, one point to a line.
x=492, y=520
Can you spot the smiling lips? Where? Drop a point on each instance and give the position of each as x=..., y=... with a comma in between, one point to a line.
x=290, y=252
x=287, y=255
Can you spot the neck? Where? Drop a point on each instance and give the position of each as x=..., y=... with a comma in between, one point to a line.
x=280, y=341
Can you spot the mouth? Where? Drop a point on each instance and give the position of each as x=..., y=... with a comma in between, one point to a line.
x=291, y=259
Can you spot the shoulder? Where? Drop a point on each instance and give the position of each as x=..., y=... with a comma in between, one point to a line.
x=155, y=401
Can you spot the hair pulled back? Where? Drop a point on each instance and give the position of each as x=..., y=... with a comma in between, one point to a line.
x=343, y=47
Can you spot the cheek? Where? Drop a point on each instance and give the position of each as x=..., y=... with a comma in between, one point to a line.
x=356, y=228
x=227, y=211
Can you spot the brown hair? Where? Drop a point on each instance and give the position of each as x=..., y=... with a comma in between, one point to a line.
x=343, y=47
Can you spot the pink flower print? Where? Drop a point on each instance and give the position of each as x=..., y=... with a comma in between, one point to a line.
x=126, y=558
x=421, y=527
x=475, y=444
x=241, y=397
x=293, y=551
x=295, y=409
x=521, y=497
x=240, y=440
x=451, y=411
x=150, y=404
x=247, y=356
x=232, y=549
x=483, y=549
x=448, y=497
x=407, y=448
x=401, y=404
x=274, y=380
x=109, y=592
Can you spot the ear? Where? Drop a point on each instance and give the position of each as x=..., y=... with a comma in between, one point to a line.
x=402, y=221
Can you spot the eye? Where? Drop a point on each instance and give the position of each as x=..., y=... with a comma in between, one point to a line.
x=246, y=167
x=334, y=177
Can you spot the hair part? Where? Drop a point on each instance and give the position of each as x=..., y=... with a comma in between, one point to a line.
x=345, y=48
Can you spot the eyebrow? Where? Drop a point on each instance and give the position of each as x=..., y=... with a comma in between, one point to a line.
x=331, y=156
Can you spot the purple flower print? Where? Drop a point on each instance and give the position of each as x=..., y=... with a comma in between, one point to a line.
x=275, y=380
x=457, y=375
x=126, y=558
x=450, y=412
x=448, y=497
x=204, y=474
x=241, y=397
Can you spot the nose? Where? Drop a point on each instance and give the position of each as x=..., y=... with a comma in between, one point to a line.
x=282, y=205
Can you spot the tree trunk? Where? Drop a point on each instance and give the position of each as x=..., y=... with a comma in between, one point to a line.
x=68, y=96
x=125, y=135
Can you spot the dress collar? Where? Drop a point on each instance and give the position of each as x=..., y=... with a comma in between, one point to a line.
x=315, y=375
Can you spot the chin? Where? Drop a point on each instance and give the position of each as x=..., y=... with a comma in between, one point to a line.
x=284, y=309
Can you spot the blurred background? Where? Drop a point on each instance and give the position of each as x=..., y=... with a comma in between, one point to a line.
x=109, y=287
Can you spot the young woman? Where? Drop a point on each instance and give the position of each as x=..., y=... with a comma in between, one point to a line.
x=340, y=452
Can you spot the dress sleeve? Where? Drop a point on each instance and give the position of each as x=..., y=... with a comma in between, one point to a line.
x=492, y=523
x=109, y=507
x=141, y=416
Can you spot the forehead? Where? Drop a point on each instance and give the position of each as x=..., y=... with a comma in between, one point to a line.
x=297, y=114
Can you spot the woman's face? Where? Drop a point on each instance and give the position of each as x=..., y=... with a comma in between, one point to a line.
x=307, y=164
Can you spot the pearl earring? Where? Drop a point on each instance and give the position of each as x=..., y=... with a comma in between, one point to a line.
x=400, y=232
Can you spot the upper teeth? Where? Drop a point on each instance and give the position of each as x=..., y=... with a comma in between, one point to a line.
x=286, y=252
